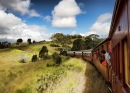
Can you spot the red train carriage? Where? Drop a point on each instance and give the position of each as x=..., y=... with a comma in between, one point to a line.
x=86, y=54
x=98, y=58
x=120, y=36
x=118, y=75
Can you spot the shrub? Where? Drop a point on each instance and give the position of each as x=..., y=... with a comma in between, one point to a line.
x=56, y=58
x=65, y=58
x=34, y=58
x=43, y=52
x=23, y=58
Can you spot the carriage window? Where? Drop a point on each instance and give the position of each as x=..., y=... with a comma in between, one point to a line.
x=126, y=64
x=118, y=60
x=95, y=55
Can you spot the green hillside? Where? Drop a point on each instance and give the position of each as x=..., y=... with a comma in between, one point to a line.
x=42, y=76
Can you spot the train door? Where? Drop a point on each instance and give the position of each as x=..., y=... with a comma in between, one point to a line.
x=126, y=65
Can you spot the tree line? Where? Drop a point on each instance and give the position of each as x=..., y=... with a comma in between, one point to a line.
x=5, y=44
x=79, y=42
x=28, y=40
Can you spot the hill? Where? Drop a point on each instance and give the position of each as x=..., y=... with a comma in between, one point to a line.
x=41, y=76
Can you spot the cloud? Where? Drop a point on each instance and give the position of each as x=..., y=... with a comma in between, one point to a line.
x=73, y=32
x=81, y=5
x=21, y=6
x=88, y=33
x=64, y=14
x=12, y=28
x=47, y=18
x=101, y=25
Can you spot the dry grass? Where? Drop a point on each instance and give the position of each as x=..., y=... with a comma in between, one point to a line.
x=74, y=81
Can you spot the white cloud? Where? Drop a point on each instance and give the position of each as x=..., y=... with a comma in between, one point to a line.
x=47, y=18
x=88, y=33
x=12, y=28
x=21, y=6
x=33, y=13
x=64, y=14
x=101, y=26
x=73, y=32
x=81, y=5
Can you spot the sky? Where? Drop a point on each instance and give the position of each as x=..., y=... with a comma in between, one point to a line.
x=39, y=19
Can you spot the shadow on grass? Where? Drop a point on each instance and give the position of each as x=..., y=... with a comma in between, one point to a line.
x=95, y=82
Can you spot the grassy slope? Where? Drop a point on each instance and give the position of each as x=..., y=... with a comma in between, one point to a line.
x=16, y=75
x=23, y=77
x=28, y=77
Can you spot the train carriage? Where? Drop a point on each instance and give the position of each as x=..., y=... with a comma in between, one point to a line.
x=118, y=45
x=98, y=58
x=120, y=36
x=85, y=54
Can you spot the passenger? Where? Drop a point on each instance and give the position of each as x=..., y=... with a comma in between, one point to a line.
x=107, y=56
x=102, y=58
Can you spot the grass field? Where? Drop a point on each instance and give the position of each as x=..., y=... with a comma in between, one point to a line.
x=44, y=76
x=36, y=77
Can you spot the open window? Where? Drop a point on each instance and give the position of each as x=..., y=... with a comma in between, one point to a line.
x=126, y=63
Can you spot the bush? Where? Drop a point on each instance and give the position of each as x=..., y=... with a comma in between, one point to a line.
x=23, y=58
x=43, y=52
x=65, y=58
x=56, y=58
x=34, y=58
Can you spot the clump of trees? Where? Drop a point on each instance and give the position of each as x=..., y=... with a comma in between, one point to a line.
x=61, y=39
x=88, y=42
x=79, y=43
x=5, y=44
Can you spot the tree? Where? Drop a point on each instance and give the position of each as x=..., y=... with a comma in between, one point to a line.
x=5, y=44
x=58, y=38
x=29, y=41
x=43, y=52
x=56, y=58
x=92, y=41
x=34, y=41
x=19, y=40
x=78, y=44
x=61, y=39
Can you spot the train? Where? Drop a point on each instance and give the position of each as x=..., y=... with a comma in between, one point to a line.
x=117, y=44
